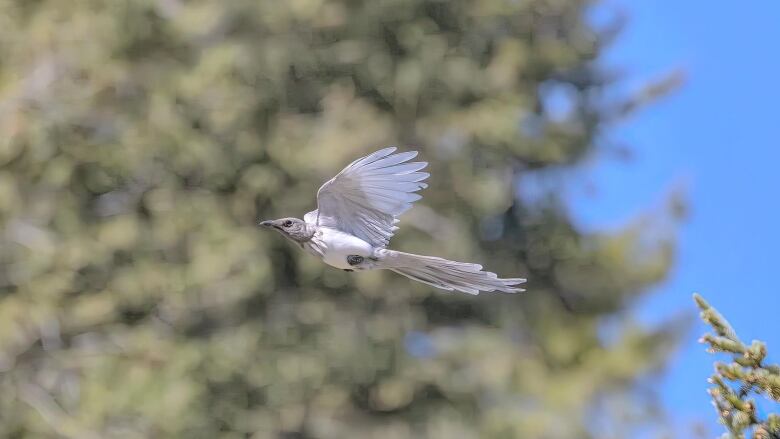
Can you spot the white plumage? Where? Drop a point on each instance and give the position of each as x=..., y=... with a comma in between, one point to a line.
x=366, y=197
x=339, y=245
x=355, y=218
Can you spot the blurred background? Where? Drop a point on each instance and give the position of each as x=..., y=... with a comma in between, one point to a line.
x=615, y=153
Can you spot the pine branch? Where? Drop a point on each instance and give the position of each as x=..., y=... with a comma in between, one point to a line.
x=747, y=373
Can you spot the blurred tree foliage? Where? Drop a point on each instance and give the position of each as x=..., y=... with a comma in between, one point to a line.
x=141, y=140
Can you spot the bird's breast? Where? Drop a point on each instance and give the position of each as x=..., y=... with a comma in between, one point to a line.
x=338, y=245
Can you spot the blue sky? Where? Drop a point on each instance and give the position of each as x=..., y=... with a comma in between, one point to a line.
x=718, y=135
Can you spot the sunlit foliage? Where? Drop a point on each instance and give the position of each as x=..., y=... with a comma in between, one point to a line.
x=140, y=142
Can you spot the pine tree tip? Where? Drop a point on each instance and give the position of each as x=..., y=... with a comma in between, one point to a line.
x=700, y=302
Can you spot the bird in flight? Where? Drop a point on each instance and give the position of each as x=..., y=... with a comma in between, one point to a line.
x=355, y=218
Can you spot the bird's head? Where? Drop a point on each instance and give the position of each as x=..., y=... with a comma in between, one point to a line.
x=291, y=228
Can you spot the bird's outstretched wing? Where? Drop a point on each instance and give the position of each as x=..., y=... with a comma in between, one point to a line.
x=367, y=196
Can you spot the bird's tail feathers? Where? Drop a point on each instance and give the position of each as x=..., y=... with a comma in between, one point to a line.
x=447, y=275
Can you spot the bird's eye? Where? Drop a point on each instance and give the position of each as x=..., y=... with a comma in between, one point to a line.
x=287, y=223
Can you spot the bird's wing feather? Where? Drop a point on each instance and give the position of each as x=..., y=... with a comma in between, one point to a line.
x=366, y=198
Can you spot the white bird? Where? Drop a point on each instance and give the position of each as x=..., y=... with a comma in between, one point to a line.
x=355, y=218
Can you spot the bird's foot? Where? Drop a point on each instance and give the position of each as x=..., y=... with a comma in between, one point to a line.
x=354, y=260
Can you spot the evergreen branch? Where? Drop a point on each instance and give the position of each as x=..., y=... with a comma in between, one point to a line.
x=747, y=372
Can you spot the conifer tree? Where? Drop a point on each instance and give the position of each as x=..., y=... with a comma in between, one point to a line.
x=735, y=382
x=140, y=142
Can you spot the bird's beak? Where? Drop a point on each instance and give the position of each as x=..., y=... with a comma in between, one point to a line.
x=266, y=223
